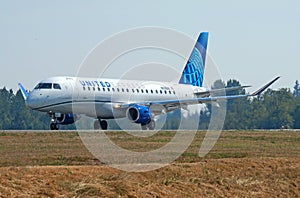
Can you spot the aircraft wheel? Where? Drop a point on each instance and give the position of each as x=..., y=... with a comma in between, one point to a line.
x=97, y=125
x=103, y=124
x=144, y=126
x=151, y=125
x=54, y=126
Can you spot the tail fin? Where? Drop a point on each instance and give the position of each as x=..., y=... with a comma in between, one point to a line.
x=23, y=91
x=194, y=68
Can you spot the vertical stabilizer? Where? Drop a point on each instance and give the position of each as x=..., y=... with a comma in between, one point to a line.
x=23, y=91
x=194, y=69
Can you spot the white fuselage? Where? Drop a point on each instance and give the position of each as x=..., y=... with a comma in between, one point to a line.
x=102, y=98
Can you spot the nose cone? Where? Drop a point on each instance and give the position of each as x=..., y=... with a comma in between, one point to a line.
x=33, y=100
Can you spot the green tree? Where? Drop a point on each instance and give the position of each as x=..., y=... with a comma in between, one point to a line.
x=296, y=114
x=238, y=114
x=296, y=89
x=15, y=115
x=280, y=105
x=5, y=108
x=258, y=114
x=205, y=113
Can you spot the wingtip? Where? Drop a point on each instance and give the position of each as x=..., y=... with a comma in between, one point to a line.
x=258, y=92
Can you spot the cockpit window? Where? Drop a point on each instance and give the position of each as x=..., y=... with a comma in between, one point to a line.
x=56, y=86
x=44, y=86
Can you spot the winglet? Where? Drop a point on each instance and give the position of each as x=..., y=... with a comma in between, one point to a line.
x=23, y=91
x=264, y=87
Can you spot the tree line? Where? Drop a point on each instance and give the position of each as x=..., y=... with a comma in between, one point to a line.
x=14, y=115
x=274, y=109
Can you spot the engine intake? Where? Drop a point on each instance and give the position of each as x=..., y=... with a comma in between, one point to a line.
x=139, y=114
x=65, y=119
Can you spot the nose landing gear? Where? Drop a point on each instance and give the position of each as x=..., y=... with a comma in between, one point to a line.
x=53, y=124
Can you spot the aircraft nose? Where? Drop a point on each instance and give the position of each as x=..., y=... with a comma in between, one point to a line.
x=29, y=101
x=32, y=100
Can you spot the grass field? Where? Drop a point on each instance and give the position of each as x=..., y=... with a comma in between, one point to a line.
x=242, y=164
x=66, y=148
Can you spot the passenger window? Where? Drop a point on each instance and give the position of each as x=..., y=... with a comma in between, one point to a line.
x=118, y=89
x=108, y=89
x=122, y=89
x=103, y=89
x=132, y=90
x=146, y=90
x=142, y=90
x=160, y=91
x=89, y=88
x=113, y=89
x=127, y=90
x=93, y=88
x=170, y=92
x=156, y=91
x=83, y=88
x=165, y=92
x=137, y=90
x=99, y=89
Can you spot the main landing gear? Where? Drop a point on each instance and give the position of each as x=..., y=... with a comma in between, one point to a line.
x=150, y=125
x=54, y=126
x=100, y=124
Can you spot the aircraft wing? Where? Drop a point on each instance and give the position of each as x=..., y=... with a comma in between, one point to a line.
x=200, y=94
x=170, y=105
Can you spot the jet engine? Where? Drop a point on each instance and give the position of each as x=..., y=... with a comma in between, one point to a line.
x=65, y=119
x=139, y=114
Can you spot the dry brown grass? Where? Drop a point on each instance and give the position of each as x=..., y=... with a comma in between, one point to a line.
x=276, y=177
x=242, y=164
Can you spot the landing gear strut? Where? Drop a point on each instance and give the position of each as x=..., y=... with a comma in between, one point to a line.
x=100, y=124
x=53, y=124
x=150, y=125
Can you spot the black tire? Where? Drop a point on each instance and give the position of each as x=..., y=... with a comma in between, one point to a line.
x=97, y=125
x=144, y=126
x=103, y=124
x=151, y=125
x=52, y=126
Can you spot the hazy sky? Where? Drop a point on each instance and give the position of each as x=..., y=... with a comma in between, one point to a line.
x=251, y=41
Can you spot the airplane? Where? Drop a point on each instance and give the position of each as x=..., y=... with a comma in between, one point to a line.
x=139, y=101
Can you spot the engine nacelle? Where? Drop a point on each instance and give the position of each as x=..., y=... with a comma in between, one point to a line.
x=139, y=114
x=65, y=119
